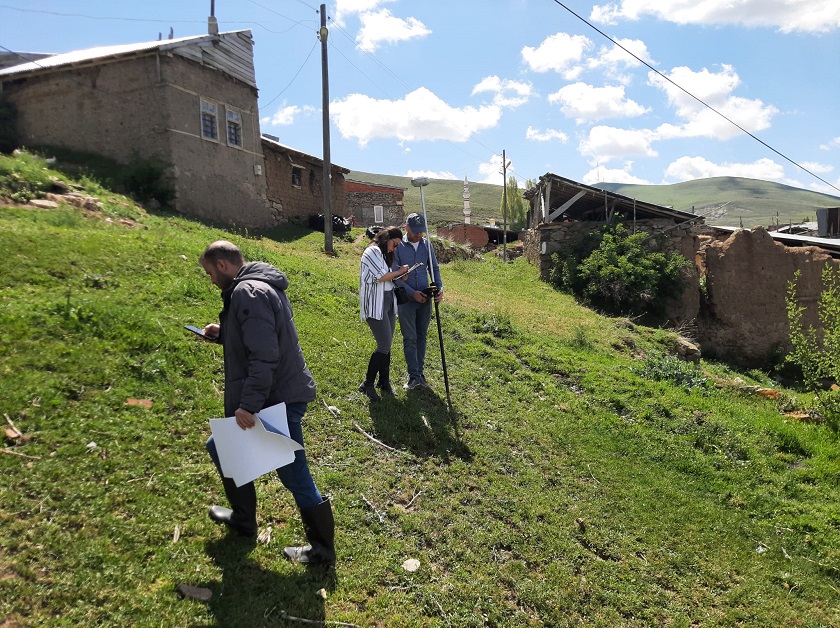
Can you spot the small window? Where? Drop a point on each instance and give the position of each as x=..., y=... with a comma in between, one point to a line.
x=209, y=121
x=234, y=128
x=377, y=213
x=297, y=173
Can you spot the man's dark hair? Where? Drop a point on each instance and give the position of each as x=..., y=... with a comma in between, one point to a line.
x=381, y=240
x=221, y=249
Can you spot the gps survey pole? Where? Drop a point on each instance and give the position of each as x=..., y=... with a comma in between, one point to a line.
x=421, y=182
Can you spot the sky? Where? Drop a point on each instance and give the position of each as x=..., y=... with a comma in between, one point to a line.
x=624, y=91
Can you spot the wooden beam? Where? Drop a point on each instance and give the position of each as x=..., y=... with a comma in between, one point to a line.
x=557, y=212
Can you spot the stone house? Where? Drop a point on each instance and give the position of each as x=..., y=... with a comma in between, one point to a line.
x=190, y=103
x=294, y=182
x=375, y=203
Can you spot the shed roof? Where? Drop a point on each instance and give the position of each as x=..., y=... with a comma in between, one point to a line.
x=594, y=203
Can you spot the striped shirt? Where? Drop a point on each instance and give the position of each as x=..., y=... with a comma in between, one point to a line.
x=371, y=290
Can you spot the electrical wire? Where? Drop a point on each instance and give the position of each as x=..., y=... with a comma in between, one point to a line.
x=154, y=21
x=702, y=102
x=293, y=78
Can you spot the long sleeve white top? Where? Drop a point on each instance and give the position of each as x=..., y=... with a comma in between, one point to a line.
x=371, y=290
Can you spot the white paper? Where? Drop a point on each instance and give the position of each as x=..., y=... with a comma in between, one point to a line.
x=245, y=455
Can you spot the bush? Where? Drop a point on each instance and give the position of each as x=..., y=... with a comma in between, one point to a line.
x=24, y=176
x=664, y=367
x=817, y=352
x=619, y=274
x=145, y=179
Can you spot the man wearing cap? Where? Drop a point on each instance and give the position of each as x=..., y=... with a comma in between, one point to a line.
x=416, y=314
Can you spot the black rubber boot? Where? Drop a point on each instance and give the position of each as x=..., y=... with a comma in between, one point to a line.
x=319, y=526
x=385, y=375
x=242, y=518
x=367, y=386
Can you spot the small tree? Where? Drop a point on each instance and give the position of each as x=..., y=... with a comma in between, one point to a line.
x=516, y=212
x=817, y=352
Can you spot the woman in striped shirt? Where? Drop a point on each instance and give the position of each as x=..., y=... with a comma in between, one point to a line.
x=378, y=306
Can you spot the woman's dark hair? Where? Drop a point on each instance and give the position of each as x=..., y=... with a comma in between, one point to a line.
x=381, y=240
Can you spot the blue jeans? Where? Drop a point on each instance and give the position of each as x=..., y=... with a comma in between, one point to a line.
x=414, y=326
x=295, y=476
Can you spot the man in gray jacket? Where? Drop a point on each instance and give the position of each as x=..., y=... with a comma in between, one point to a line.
x=264, y=366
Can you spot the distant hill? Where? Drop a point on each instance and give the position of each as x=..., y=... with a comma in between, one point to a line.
x=722, y=200
x=444, y=198
x=732, y=200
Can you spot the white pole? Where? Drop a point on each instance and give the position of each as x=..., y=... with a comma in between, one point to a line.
x=428, y=236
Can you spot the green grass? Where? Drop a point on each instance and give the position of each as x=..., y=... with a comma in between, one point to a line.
x=578, y=480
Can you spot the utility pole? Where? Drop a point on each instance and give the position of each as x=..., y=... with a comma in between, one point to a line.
x=325, y=106
x=504, y=207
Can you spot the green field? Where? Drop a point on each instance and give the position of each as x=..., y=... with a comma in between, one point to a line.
x=582, y=477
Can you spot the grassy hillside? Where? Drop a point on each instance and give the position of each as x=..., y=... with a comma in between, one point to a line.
x=581, y=478
x=722, y=200
x=444, y=198
x=732, y=200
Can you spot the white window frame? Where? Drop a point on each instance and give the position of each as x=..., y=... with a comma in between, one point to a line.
x=378, y=213
x=211, y=109
x=233, y=117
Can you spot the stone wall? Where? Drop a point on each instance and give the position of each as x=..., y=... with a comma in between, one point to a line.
x=149, y=107
x=735, y=299
x=743, y=315
x=292, y=200
x=472, y=235
x=361, y=200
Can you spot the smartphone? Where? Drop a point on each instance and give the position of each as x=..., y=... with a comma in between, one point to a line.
x=198, y=332
x=409, y=271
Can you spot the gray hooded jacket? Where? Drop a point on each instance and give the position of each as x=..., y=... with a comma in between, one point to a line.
x=264, y=363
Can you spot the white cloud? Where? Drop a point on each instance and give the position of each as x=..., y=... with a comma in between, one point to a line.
x=613, y=175
x=605, y=143
x=560, y=52
x=615, y=60
x=345, y=8
x=586, y=103
x=491, y=171
x=506, y=93
x=421, y=115
x=545, y=136
x=817, y=168
x=715, y=89
x=830, y=145
x=689, y=168
x=381, y=26
x=286, y=115
x=431, y=174
x=812, y=16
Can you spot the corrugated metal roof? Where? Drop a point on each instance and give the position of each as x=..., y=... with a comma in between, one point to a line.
x=101, y=53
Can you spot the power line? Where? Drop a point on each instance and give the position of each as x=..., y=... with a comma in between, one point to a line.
x=154, y=21
x=293, y=78
x=705, y=104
